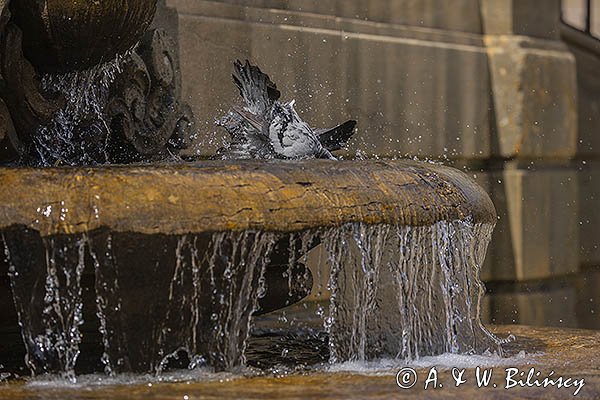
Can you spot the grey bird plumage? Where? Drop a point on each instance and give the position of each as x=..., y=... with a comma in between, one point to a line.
x=268, y=128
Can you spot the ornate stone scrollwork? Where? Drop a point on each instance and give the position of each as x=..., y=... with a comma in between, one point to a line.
x=145, y=111
x=7, y=134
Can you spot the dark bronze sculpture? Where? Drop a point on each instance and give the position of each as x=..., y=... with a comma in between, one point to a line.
x=27, y=106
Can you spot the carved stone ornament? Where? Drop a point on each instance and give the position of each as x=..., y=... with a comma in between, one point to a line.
x=145, y=110
x=20, y=86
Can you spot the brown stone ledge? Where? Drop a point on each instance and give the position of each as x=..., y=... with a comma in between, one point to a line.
x=216, y=196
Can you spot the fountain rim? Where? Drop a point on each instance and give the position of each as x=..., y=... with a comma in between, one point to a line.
x=212, y=196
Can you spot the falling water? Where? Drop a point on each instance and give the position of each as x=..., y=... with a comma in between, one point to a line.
x=406, y=292
x=396, y=291
x=204, y=291
x=78, y=133
x=48, y=296
x=107, y=300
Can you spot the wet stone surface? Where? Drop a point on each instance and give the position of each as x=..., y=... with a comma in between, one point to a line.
x=213, y=196
x=569, y=353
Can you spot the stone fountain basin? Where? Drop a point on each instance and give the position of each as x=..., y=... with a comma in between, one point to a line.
x=140, y=230
x=218, y=196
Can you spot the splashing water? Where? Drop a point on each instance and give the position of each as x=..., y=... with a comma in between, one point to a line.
x=78, y=133
x=397, y=292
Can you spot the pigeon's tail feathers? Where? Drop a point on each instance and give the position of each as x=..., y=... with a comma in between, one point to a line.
x=256, y=88
x=336, y=138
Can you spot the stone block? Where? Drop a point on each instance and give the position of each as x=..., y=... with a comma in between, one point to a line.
x=521, y=17
x=546, y=307
x=535, y=97
x=588, y=299
x=588, y=87
x=166, y=18
x=207, y=48
x=572, y=302
x=458, y=15
x=537, y=235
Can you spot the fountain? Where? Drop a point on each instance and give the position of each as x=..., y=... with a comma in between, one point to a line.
x=181, y=255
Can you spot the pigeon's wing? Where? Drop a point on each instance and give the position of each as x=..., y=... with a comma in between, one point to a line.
x=293, y=138
x=255, y=121
x=235, y=125
x=256, y=88
x=241, y=124
x=335, y=138
x=248, y=140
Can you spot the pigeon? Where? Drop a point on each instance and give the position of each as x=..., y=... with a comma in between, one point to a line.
x=268, y=128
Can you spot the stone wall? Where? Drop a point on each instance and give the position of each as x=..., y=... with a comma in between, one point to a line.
x=486, y=85
x=587, y=160
x=379, y=73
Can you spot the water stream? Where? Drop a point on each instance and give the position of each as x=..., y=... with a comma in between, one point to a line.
x=78, y=133
x=407, y=292
x=397, y=292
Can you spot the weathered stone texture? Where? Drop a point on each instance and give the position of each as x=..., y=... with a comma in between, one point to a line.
x=545, y=307
x=7, y=132
x=570, y=301
x=535, y=97
x=588, y=86
x=587, y=54
x=457, y=15
x=588, y=299
x=521, y=17
x=589, y=212
x=221, y=196
x=167, y=19
x=542, y=213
